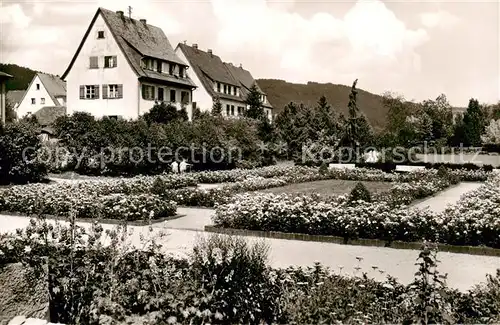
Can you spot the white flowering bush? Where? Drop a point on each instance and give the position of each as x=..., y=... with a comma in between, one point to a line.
x=474, y=221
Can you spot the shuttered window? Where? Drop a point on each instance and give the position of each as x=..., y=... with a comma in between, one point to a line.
x=148, y=92
x=172, y=95
x=114, y=91
x=89, y=92
x=94, y=62
x=110, y=61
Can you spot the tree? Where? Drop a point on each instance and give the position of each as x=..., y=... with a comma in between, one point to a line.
x=325, y=117
x=492, y=133
x=216, y=107
x=439, y=110
x=473, y=124
x=352, y=122
x=182, y=115
x=254, y=102
x=162, y=113
x=10, y=113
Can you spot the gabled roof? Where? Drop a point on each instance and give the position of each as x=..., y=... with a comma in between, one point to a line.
x=245, y=79
x=55, y=86
x=15, y=96
x=209, y=68
x=48, y=114
x=137, y=40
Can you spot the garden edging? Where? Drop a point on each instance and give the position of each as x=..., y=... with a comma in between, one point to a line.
x=471, y=250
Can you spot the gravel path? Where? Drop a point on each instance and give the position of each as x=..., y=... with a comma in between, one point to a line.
x=440, y=202
x=463, y=270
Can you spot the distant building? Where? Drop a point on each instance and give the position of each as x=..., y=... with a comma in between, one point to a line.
x=213, y=77
x=46, y=116
x=44, y=90
x=3, y=103
x=122, y=66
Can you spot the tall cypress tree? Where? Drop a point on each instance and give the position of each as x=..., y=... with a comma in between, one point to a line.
x=473, y=124
x=255, y=109
x=352, y=122
x=217, y=106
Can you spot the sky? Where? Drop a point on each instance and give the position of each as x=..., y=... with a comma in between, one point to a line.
x=417, y=49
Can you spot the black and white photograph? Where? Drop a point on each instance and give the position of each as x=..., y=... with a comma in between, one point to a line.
x=249, y=162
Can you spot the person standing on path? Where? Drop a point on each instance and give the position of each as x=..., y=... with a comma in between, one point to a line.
x=175, y=167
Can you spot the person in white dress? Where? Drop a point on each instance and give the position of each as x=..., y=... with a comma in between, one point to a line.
x=183, y=166
x=175, y=167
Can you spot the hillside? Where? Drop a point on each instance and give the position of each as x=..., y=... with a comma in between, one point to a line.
x=280, y=93
x=22, y=76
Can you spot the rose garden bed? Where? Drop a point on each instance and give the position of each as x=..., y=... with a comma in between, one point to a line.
x=153, y=197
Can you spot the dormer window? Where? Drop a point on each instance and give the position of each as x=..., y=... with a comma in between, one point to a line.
x=171, y=69
x=100, y=34
x=218, y=87
x=181, y=72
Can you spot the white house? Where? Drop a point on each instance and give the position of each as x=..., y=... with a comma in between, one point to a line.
x=122, y=66
x=44, y=90
x=213, y=77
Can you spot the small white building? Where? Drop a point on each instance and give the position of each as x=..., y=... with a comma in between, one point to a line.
x=215, y=78
x=122, y=66
x=44, y=90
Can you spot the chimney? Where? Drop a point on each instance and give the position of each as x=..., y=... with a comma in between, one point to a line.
x=120, y=13
x=143, y=21
x=209, y=51
x=195, y=46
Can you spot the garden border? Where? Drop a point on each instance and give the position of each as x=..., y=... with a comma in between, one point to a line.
x=471, y=250
x=137, y=223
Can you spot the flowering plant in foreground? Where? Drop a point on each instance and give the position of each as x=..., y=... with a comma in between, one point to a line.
x=224, y=280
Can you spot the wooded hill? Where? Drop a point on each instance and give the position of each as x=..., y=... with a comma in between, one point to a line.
x=280, y=93
x=22, y=76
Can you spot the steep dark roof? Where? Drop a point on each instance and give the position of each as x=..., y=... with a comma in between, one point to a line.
x=209, y=68
x=15, y=96
x=48, y=114
x=54, y=86
x=245, y=79
x=137, y=40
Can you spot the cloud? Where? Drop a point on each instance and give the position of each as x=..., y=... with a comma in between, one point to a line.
x=15, y=16
x=439, y=18
x=368, y=40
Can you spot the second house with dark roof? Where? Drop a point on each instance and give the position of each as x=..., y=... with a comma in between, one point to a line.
x=122, y=66
x=215, y=78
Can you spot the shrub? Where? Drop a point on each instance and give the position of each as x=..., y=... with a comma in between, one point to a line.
x=360, y=192
x=19, y=154
x=323, y=169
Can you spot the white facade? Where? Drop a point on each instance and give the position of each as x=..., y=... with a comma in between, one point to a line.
x=81, y=75
x=128, y=101
x=36, y=97
x=201, y=96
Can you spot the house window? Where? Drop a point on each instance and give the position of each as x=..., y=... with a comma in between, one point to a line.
x=241, y=110
x=42, y=101
x=149, y=64
x=33, y=101
x=158, y=66
x=148, y=92
x=181, y=72
x=112, y=91
x=232, y=109
x=100, y=34
x=89, y=92
x=225, y=89
x=37, y=86
x=234, y=91
x=172, y=95
x=161, y=94
x=228, y=108
x=94, y=63
x=171, y=69
x=218, y=87
x=110, y=61
x=184, y=97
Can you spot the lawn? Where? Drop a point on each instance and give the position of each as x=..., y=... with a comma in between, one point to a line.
x=329, y=187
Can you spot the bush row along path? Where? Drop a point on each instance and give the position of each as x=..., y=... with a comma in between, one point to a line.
x=440, y=202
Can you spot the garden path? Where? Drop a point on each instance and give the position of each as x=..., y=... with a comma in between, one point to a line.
x=440, y=202
x=463, y=270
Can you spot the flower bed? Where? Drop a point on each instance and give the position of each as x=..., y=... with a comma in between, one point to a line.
x=474, y=221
